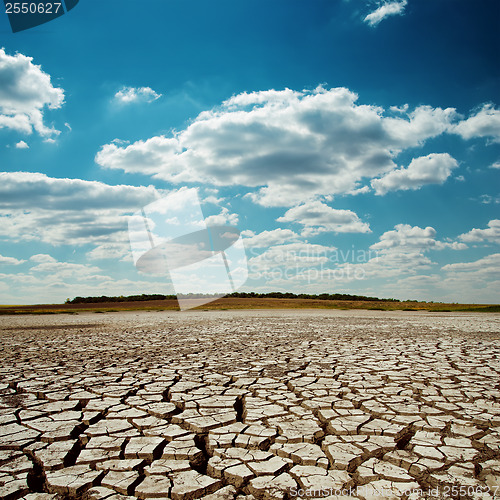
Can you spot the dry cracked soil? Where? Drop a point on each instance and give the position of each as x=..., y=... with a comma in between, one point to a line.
x=250, y=405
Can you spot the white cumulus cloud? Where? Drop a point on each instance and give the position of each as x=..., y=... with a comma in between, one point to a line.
x=407, y=237
x=317, y=217
x=34, y=206
x=430, y=169
x=269, y=238
x=42, y=258
x=486, y=268
x=10, y=261
x=25, y=92
x=128, y=95
x=225, y=217
x=22, y=145
x=491, y=233
x=119, y=250
x=385, y=10
x=484, y=123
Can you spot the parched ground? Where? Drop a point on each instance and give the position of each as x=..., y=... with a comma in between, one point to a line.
x=250, y=404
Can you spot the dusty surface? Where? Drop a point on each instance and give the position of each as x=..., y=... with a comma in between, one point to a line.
x=250, y=404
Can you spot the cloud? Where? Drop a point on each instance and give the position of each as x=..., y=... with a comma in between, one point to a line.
x=21, y=145
x=42, y=258
x=289, y=145
x=487, y=199
x=305, y=267
x=385, y=10
x=430, y=169
x=129, y=95
x=119, y=250
x=412, y=238
x=406, y=236
x=317, y=217
x=62, y=270
x=34, y=206
x=225, y=218
x=25, y=190
x=398, y=253
x=491, y=233
x=51, y=281
x=25, y=92
x=288, y=258
x=146, y=157
x=484, y=123
x=388, y=265
x=269, y=238
x=485, y=268
x=213, y=200
x=10, y=261
x=495, y=165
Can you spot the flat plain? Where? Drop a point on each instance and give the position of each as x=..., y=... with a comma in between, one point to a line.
x=272, y=404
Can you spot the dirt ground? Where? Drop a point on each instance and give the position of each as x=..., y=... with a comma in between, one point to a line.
x=266, y=404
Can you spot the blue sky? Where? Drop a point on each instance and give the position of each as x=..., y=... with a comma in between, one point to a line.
x=356, y=144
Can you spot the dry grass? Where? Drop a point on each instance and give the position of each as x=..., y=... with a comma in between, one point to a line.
x=248, y=303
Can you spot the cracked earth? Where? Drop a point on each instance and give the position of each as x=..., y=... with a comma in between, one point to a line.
x=250, y=405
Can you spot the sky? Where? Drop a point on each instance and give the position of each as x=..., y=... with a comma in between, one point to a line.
x=354, y=143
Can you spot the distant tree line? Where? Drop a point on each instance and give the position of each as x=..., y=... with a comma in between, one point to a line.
x=121, y=298
x=321, y=296
x=238, y=295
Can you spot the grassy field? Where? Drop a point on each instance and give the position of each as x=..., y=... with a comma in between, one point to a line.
x=248, y=303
